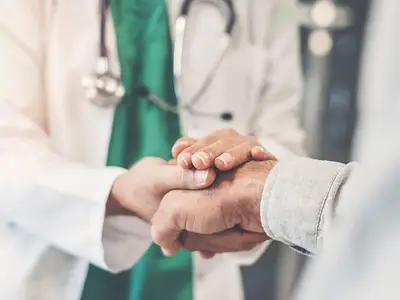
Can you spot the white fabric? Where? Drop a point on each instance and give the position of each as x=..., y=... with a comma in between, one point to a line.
x=53, y=142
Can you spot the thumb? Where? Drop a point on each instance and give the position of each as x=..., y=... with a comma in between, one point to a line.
x=174, y=177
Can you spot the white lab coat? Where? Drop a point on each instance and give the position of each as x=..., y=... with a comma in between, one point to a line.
x=53, y=142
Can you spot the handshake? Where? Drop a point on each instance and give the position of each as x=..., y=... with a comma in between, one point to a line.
x=207, y=199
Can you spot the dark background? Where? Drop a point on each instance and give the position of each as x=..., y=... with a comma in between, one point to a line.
x=340, y=116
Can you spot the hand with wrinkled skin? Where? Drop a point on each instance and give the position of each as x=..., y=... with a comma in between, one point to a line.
x=140, y=190
x=223, y=149
x=233, y=200
x=231, y=240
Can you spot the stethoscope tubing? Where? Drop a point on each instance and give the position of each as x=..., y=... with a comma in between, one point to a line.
x=103, y=22
x=180, y=29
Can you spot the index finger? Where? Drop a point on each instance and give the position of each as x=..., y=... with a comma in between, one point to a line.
x=181, y=145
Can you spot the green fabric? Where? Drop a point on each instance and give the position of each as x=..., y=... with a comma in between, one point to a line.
x=141, y=129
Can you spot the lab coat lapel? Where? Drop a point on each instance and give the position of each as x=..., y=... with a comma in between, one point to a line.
x=202, y=47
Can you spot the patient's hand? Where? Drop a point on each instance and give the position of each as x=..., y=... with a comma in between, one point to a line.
x=225, y=149
x=222, y=218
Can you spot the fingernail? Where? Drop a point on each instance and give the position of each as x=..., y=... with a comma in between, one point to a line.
x=261, y=149
x=200, y=177
x=226, y=158
x=183, y=159
x=260, y=153
x=202, y=156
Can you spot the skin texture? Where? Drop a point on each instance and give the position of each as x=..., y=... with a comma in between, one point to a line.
x=232, y=202
x=225, y=149
x=140, y=190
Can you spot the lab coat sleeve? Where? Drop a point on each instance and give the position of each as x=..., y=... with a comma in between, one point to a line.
x=57, y=200
x=277, y=125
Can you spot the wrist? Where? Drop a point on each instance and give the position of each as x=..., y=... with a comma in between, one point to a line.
x=115, y=203
x=127, y=199
x=252, y=192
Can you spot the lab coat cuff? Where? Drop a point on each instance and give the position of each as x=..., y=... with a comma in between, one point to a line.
x=294, y=200
x=125, y=239
x=100, y=185
x=117, y=241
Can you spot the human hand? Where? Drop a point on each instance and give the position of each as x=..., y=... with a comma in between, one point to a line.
x=231, y=240
x=225, y=148
x=140, y=190
x=234, y=200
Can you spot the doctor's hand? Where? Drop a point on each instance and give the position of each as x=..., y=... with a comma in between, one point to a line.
x=232, y=202
x=225, y=149
x=139, y=190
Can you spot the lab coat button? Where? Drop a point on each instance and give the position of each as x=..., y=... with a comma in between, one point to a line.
x=226, y=116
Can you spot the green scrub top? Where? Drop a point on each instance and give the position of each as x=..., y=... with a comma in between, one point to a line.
x=142, y=129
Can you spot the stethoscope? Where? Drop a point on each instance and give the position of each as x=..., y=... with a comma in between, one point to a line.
x=104, y=88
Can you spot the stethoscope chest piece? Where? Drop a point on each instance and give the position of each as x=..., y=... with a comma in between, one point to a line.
x=102, y=87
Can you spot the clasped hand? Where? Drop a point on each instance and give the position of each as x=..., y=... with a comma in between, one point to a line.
x=207, y=199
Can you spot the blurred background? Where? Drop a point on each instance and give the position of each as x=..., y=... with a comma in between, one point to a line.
x=332, y=35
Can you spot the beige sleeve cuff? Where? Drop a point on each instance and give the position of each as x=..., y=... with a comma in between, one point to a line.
x=299, y=199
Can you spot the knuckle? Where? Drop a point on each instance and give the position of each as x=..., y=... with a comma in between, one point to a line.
x=184, y=141
x=191, y=148
x=230, y=131
x=225, y=131
x=250, y=144
x=185, y=178
x=211, y=152
x=213, y=149
x=187, y=149
x=164, y=213
x=181, y=140
x=156, y=235
x=171, y=208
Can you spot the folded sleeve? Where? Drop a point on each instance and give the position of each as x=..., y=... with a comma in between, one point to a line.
x=57, y=200
x=300, y=199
